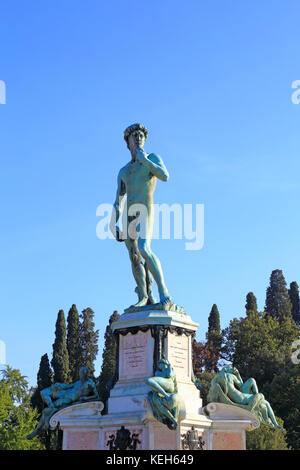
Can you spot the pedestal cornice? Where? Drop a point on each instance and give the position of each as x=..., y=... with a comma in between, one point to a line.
x=141, y=319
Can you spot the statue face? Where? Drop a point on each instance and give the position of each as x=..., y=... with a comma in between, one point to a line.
x=83, y=372
x=136, y=139
x=165, y=368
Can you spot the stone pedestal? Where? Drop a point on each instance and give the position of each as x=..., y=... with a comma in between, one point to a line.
x=80, y=425
x=229, y=426
x=143, y=338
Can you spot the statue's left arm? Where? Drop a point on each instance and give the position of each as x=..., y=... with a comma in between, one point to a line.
x=237, y=382
x=154, y=164
x=93, y=394
x=237, y=375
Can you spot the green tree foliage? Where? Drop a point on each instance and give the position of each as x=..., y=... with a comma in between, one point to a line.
x=251, y=303
x=73, y=342
x=108, y=361
x=278, y=304
x=205, y=379
x=60, y=358
x=88, y=340
x=284, y=394
x=267, y=438
x=294, y=298
x=17, y=418
x=17, y=383
x=259, y=345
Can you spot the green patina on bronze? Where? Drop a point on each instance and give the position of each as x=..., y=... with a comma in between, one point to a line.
x=60, y=395
x=163, y=397
x=228, y=387
x=137, y=180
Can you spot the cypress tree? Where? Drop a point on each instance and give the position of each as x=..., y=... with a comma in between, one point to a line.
x=214, y=320
x=251, y=303
x=108, y=361
x=294, y=298
x=88, y=340
x=278, y=304
x=44, y=380
x=214, y=340
x=60, y=358
x=73, y=342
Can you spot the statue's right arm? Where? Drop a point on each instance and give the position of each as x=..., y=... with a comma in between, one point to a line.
x=236, y=382
x=121, y=190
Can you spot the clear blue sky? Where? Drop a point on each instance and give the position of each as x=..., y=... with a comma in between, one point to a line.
x=212, y=82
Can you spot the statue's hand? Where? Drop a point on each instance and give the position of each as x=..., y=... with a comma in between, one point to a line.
x=140, y=155
x=119, y=235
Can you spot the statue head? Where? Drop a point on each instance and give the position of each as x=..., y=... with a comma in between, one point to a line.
x=165, y=367
x=135, y=136
x=231, y=370
x=83, y=372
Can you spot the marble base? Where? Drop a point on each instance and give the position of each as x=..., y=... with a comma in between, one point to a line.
x=143, y=338
x=229, y=426
x=81, y=425
x=152, y=435
x=221, y=427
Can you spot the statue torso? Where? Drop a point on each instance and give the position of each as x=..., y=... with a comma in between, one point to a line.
x=139, y=183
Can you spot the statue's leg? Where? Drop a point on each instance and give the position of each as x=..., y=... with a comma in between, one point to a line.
x=154, y=267
x=254, y=401
x=43, y=424
x=138, y=271
x=46, y=396
x=250, y=386
x=153, y=382
x=271, y=414
x=151, y=298
x=160, y=411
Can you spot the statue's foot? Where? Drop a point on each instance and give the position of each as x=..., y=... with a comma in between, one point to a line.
x=172, y=425
x=142, y=302
x=277, y=426
x=165, y=299
x=31, y=435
